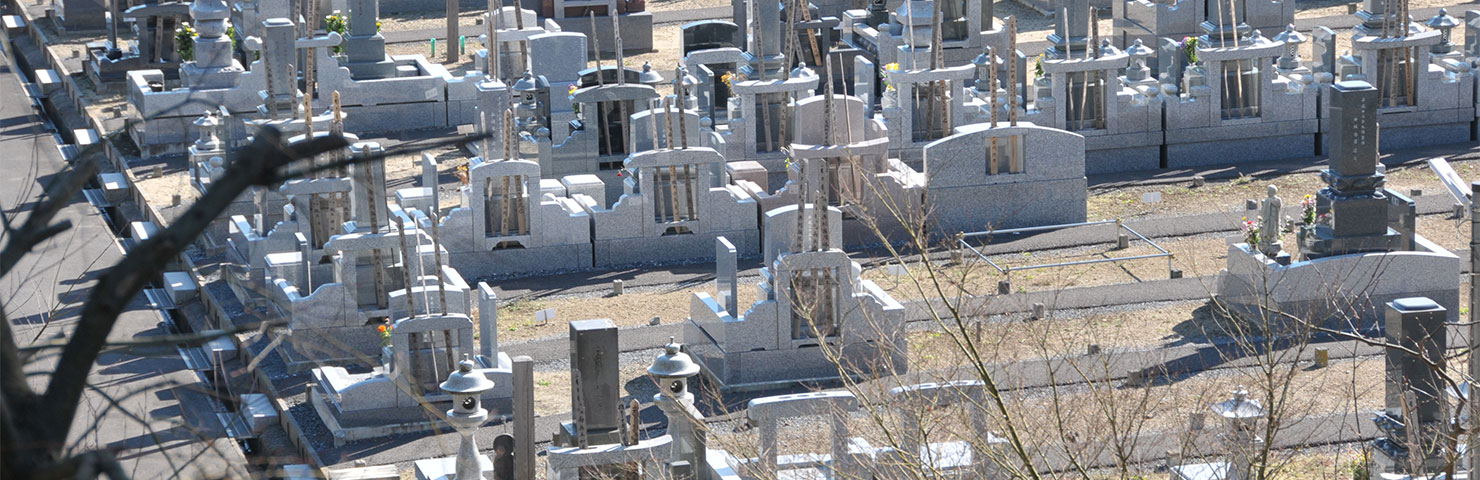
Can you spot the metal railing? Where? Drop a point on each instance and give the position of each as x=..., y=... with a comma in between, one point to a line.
x=1119, y=225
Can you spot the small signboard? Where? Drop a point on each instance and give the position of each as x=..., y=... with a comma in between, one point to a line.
x=1151, y=197
x=1457, y=186
x=544, y=316
x=898, y=270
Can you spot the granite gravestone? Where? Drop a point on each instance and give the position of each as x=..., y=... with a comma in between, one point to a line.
x=1351, y=211
x=709, y=34
x=1415, y=392
x=595, y=385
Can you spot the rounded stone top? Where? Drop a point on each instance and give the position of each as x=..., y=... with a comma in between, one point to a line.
x=802, y=71
x=648, y=75
x=673, y=362
x=1442, y=20
x=983, y=58
x=1414, y=304
x=466, y=380
x=1273, y=190
x=531, y=83
x=1290, y=35
x=1140, y=50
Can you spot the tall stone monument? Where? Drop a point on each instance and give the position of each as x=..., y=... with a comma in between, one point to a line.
x=214, y=67
x=1351, y=211
x=1415, y=396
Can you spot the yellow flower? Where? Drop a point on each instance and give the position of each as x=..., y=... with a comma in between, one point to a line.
x=893, y=67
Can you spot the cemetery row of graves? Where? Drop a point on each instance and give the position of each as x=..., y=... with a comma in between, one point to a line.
x=825, y=239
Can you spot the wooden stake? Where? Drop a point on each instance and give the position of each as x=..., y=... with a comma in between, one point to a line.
x=1012, y=70
x=441, y=280
x=406, y=268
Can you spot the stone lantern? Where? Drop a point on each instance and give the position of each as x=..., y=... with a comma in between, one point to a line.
x=648, y=76
x=1292, y=40
x=1137, y=70
x=1242, y=416
x=983, y=64
x=1445, y=25
x=683, y=88
x=466, y=387
x=533, y=108
x=672, y=371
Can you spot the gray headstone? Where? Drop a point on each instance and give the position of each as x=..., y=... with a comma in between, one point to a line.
x=280, y=53
x=707, y=34
x=363, y=15
x=724, y=274
x=1170, y=61
x=1417, y=325
x=487, y=322
x=1472, y=33
x=594, y=357
x=1323, y=50
x=1353, y=107
x=559, y=56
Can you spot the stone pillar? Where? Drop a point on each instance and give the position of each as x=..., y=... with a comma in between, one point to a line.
x=279, y=51
x=593, y=359
x=523, y=417
x=492, y=101
x=369, y=186
x=725, y=266
x=487, y=324
x=1415, y=393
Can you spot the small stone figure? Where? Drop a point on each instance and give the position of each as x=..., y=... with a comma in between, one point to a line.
x=1269, y=224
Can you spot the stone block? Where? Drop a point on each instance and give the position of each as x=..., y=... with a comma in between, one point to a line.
x=257, y=410
x=553, y=187
x=419, y=198
x=115, y=186
x=586, y=184
x=48, y=80
x=141, y=231
x=748, y=170
x=181, y=286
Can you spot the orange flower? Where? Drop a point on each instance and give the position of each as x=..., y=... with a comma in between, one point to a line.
x=381, y=328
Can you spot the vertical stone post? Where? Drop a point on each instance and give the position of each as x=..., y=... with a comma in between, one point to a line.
x=488, y=323
x=725, y=265
x=523, y=417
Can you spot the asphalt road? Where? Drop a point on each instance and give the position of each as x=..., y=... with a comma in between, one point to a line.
x=145, y=405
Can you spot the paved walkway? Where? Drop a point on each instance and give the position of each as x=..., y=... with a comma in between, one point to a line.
x=167, y=426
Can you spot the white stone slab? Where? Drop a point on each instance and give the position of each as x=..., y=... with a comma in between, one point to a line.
x=257, y=409
x=141, y=231
x=181, y=286
x=86, y=136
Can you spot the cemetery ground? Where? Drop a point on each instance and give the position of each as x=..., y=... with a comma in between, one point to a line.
x=1159, y=332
